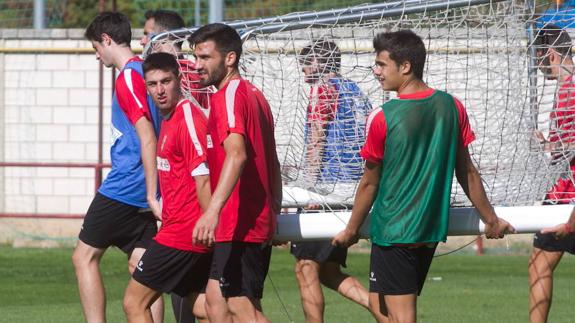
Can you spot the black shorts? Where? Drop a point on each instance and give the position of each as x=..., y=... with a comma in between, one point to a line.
x=548, y=242
x=171, y=270
x=112, y=223
x=399, y=270
x=319, y=251
x=241, y=268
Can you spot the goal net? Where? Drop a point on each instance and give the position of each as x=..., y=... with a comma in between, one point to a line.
x=478, y=50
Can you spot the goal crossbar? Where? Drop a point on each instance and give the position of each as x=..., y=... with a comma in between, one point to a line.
x=462, y=222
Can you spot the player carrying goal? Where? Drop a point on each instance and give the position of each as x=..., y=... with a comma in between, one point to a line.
x=335, y=125
x=414, y=143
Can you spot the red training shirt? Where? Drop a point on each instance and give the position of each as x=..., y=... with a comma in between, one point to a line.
x=241, y=108
x=563, y=130
x=180, y=150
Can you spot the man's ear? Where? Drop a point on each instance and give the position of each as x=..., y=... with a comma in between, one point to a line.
x=405, y=68
x=231, y=58
x=106, y=39
x=554, y=57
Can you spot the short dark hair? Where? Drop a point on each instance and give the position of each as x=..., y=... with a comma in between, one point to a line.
x=161, y=61
x=226, y=38
x=403, y=46
x=114, y=24
x=165, y=19
x=325, y=52
x=553, y=36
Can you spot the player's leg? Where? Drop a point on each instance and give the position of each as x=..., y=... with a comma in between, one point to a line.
x=216, y=305
x=377, y=307
x=197, y=302
x=348, y=286
x=246, y=310
x=86, y=261
x=311, y=295
x=137, y=301
x=97, y=233
x=182, y=310
x=401, y=308
x=157, y=308
x=542, y=263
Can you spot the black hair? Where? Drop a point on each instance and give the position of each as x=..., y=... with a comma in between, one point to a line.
x=165, y=19
x=325, y=52
x=552, y=36
x=114, y=24
x=161, y=61
x=226, y=38
x=403, y=46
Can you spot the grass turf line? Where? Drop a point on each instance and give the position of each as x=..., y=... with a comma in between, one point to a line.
x=38, y=285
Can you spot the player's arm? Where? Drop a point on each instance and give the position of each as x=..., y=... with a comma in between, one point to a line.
x=364, y=197
x=322, y=113
x=236, y=157
x=132, y=97
x=147, y=137
x=203, y=190
x=563, y=229
x=470, y=180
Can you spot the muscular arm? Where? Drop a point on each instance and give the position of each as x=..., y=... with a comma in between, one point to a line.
x=147, y=137
x=364, y=198
x=232, y=168
x=470, y=180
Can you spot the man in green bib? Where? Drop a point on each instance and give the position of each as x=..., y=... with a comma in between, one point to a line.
x=413, y=145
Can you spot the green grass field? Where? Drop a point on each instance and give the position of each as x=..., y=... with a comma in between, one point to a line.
x=38, y=285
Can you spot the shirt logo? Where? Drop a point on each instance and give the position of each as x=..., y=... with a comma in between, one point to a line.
x=209, y=142
x=163, y=164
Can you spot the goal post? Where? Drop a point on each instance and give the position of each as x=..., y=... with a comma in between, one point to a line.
x=478, y=50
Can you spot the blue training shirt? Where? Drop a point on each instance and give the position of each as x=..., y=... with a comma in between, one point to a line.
x=126, y=182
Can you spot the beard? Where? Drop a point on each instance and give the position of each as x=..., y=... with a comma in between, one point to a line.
x=213, y=77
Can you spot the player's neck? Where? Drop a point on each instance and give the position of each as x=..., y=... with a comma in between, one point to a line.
x=232, y=74
x=123, y=55
x=412, y=85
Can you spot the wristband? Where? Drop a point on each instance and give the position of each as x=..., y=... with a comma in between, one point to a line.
x=569, y=228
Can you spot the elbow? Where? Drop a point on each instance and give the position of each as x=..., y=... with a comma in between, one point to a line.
x=239, y=157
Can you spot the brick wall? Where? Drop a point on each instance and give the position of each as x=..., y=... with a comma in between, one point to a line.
x=49, y=113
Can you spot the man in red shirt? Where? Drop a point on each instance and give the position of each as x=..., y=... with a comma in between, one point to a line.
x=245, y=178
x=553, y=47
x=172, y=263
x=159, y=21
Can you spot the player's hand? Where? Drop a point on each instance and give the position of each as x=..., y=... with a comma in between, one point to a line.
x=205, y=229
x=345, y=239
x=559, y=231
x=498, y=229
x=156, y=208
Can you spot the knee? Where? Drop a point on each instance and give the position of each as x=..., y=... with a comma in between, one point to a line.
x=81, y=258
x=129, y=305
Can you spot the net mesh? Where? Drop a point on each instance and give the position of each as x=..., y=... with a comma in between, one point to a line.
x=479, y=53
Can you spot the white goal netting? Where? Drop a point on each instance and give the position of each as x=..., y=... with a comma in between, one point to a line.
x=478, y=50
